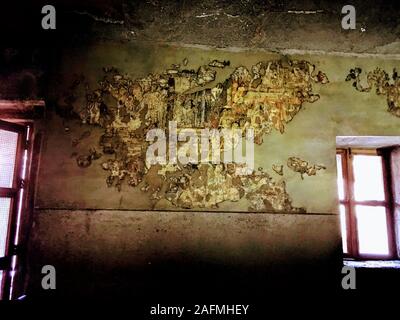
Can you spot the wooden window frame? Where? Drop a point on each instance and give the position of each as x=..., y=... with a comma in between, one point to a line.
x=16, y=251
x=349, y=202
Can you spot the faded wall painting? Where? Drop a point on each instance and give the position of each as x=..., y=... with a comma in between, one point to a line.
x=265, y=98
x=380, y=80
x=106, y=99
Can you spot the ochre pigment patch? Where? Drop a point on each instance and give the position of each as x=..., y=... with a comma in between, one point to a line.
x=265, y=98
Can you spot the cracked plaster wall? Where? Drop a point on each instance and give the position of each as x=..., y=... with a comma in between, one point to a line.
x=104, y=243
x=78, y=225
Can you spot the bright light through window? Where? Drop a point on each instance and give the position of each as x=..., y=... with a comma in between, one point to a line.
x=368, y=178
x=372, y=230
x=363, y=203
x=343, y=227
x=8, y=143
x=5, y=205
x=340, y=182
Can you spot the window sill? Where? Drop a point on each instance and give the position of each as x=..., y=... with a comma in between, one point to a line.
x=373, y=264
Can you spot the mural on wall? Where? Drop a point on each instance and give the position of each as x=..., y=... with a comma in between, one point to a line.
x=303, y=167
x=379, y=79
x=265, y=98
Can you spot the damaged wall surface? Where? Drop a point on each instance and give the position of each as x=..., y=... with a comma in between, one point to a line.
x=265, y=98
x=80, y=217
x=100, y=123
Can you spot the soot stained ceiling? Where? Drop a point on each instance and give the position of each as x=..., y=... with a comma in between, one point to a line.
x=268, y=24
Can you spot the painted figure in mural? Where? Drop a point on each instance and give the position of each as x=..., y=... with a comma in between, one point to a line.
x=265, y=97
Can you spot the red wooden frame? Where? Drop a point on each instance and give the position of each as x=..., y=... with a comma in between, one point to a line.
x=14, y=193
x=349, y=202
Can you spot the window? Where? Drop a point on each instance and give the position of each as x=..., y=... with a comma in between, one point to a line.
x=14, y=142
x=366, y=203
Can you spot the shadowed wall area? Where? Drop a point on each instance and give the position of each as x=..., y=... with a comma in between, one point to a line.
x=80, y=228
x=123, y=240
